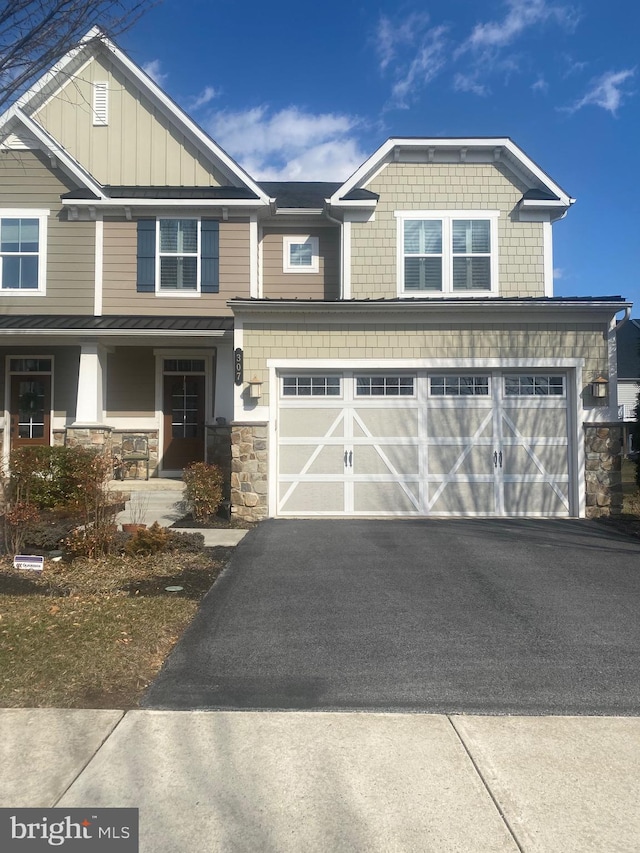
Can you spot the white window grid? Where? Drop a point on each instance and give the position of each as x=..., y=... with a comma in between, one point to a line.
x=41, y=255
x=290, y=244
x=162, y=253
x=534, y=385
x=311, y=386
x=446, y=218
x=385, y=386
x=459, y=386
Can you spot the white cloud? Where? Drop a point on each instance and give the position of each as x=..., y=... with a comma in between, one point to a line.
x=469, y=83
x=558, y=273
x=207, y=95
x=153, y=70
x=427, y=58
x=390, y=36
x=521, y=15
x=540, y=85
x=290, y=144
x=607, y=91
x=413, y=51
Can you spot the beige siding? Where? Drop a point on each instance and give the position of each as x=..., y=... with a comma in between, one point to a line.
x=399, y=340
x=445, y=186
x=131, y=383
x=119, y=278
x=325, y=284
x=139, y=146
x=27, y=181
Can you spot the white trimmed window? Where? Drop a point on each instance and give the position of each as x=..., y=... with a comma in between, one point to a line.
x=178, y=255
x=311, y=386
x=385, y=386
x=300, y=254
x=23, y=241
x=447, y=253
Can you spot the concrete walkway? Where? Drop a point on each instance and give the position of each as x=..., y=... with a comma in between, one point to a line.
x=232, y=782
x=161, y=500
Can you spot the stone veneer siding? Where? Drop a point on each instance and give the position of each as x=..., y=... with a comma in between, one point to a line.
x=603, y=465
x=91, y=437
x=249, y=465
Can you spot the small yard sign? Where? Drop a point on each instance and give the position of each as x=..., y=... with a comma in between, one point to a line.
x=24, y=561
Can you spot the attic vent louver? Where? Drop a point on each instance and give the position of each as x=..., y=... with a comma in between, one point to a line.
x=100, y=104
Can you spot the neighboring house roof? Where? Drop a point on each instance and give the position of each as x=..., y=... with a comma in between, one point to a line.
x=628, y=340
x=300, y=194
x=75, y=322
x=309, y=194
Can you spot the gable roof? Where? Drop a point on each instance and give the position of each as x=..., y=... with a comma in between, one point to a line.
x=546, y=192
x=88, y=48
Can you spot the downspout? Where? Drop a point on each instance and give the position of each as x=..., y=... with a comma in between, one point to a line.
x=612, y=348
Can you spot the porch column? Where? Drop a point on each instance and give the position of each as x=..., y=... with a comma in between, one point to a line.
x=90, y=402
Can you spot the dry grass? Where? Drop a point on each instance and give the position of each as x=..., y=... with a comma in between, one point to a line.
x=93, y=634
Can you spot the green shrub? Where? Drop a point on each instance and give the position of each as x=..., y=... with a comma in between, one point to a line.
x=203, y=486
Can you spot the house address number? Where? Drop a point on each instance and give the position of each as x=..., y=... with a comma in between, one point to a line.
x=237, y=366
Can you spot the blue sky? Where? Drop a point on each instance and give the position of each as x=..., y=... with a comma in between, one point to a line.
x=301, y=91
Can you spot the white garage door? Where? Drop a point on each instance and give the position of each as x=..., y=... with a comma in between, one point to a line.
x=421, y=443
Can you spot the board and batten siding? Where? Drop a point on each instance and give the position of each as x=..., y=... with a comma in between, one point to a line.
x=119, y=274
x=137, y=147
x=325, y=284
x=28, y=181
x=446, y=186
x=376, y=340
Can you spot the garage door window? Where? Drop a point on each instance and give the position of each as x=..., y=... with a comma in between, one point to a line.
x=530, y=386
x=385, y=386
x=459, y=386
x=311, y=386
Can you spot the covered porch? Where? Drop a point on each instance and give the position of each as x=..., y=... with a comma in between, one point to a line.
x=160, y=383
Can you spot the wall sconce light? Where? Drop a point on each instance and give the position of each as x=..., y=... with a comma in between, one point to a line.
x=600, y=387
x=255, y=388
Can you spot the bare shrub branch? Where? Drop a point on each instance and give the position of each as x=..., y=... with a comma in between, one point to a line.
x=35, y=34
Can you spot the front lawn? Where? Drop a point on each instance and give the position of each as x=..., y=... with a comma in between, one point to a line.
x=94, y=633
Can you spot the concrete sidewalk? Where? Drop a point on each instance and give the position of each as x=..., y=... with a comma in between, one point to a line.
x=331, y=782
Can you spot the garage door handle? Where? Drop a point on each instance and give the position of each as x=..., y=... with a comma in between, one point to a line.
x=351, y=458
x=346, y=457
x=500, y=458
x=495, y=458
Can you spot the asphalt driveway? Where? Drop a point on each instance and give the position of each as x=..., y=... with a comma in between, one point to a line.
x=449, y=616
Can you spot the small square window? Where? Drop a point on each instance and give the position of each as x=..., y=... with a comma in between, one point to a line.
x=300, y=254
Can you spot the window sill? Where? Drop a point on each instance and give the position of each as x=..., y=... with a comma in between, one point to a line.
x=172, y=294
x=18, y=292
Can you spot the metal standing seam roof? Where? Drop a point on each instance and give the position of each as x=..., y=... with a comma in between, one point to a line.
x=437, y=300
x=195, y=193
x=72, y=322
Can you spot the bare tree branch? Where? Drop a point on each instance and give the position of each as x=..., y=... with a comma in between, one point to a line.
x=35, y=34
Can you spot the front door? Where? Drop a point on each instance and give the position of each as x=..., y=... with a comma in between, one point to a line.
x=184, y=410
x=30, y=410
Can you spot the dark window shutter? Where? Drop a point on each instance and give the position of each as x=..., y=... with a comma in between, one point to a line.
x=146, y=277
x=209, y=256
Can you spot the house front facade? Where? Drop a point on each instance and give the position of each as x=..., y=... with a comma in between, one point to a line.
x=385, y=346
